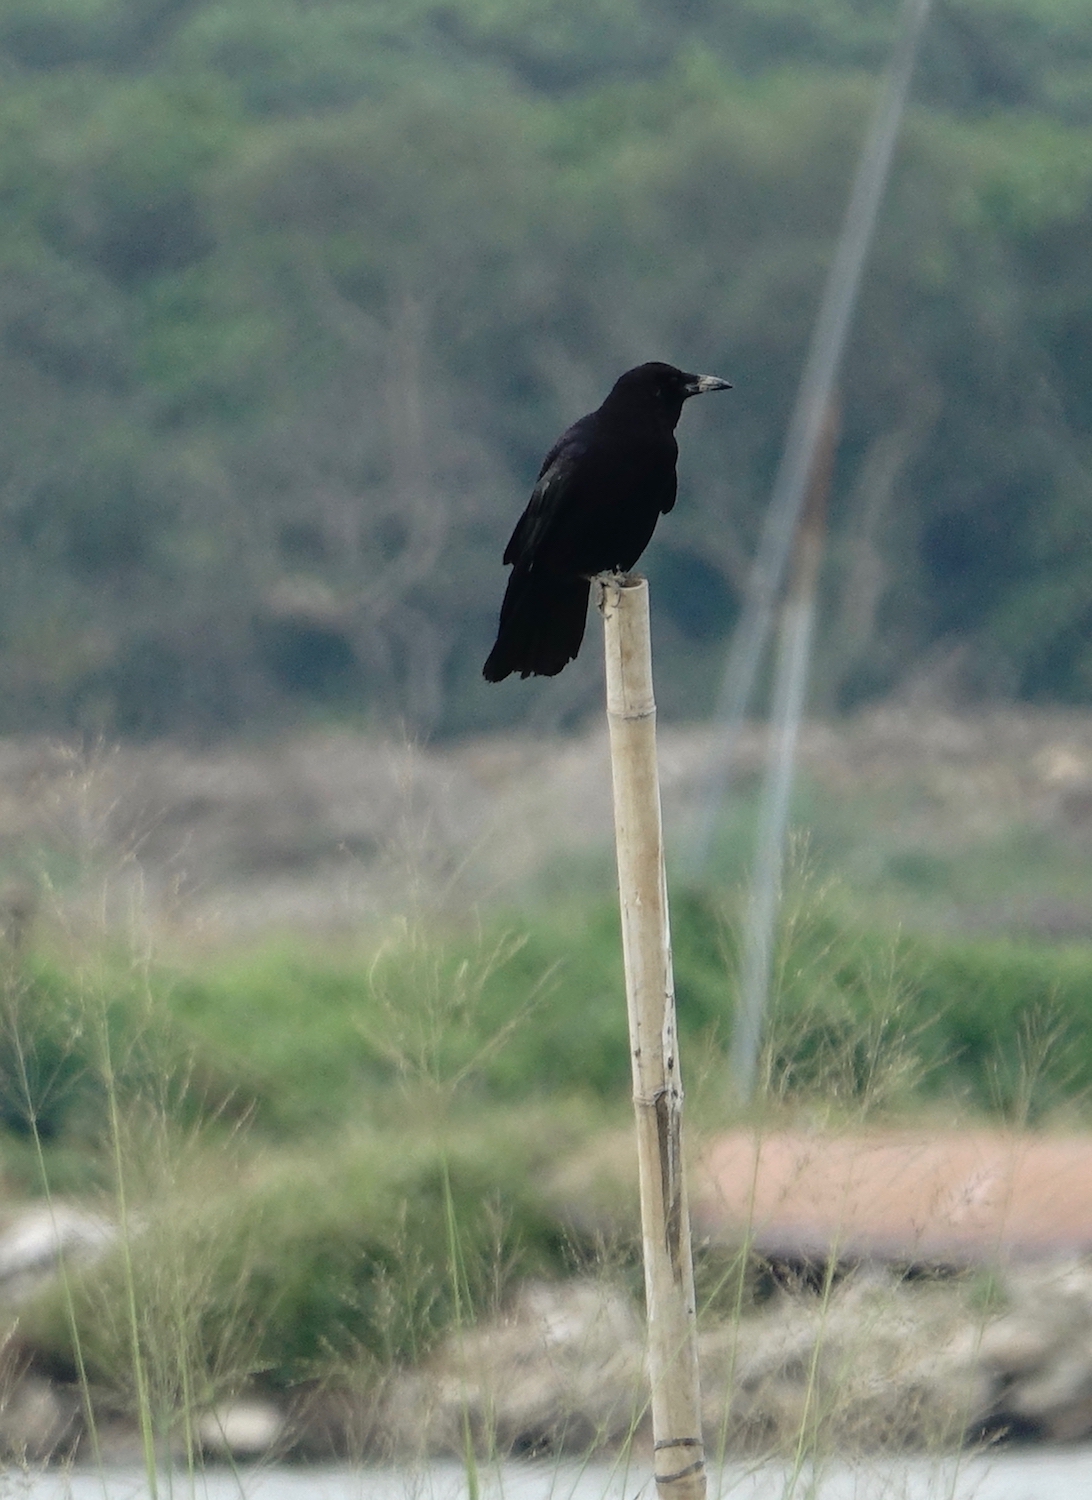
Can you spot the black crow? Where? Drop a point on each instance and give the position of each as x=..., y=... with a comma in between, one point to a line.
x=602, y=488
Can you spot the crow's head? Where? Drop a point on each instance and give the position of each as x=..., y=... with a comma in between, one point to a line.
x=662, y=388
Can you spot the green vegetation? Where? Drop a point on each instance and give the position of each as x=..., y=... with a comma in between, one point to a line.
x=294, y=295
x=966, y=1008
x=296, y=1131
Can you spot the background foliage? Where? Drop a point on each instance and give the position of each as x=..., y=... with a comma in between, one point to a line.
x=300, y=1125
x=295, y=295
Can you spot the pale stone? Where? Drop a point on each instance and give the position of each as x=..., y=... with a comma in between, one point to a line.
x=244, y=1429
x=1015, y=1346
x=33, y=1242
x=561, y=1371
x=35, y=1419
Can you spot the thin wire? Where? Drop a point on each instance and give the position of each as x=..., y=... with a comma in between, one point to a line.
x=805, y=431
x=765, y=896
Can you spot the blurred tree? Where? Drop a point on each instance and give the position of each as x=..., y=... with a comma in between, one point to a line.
x=293, y=296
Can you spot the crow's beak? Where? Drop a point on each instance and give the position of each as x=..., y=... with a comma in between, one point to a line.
x=702, y=383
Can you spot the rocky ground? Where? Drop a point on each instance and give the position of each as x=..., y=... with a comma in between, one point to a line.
x=884, y=1362
x=879, y=1362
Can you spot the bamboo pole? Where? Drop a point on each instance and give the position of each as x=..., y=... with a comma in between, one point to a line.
x=679, y=1458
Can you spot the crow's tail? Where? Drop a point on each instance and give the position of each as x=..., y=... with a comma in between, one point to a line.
x=541, y=624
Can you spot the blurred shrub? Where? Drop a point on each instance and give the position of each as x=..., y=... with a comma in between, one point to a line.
x=320, y=1258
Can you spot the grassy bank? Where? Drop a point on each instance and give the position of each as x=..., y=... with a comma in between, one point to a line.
x=334, y=1155
x=534, y=1009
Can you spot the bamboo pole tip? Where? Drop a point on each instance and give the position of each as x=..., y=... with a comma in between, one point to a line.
x=619, y=590
x=623, y=602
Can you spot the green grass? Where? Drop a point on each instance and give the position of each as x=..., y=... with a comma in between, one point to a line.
x=296, y=1261
x=310, y=1035
x=303, y=1039
x=299, y=1132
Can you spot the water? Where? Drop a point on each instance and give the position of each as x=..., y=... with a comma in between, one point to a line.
x=1023, y=1475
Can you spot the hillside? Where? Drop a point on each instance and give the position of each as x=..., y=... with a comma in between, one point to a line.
x=296, y=295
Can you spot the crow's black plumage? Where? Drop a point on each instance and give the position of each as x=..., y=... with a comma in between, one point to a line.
x=601, y=489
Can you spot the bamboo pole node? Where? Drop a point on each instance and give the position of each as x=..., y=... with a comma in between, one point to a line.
x=678, y=1452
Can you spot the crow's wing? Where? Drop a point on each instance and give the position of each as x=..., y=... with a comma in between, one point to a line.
x=548, y=498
